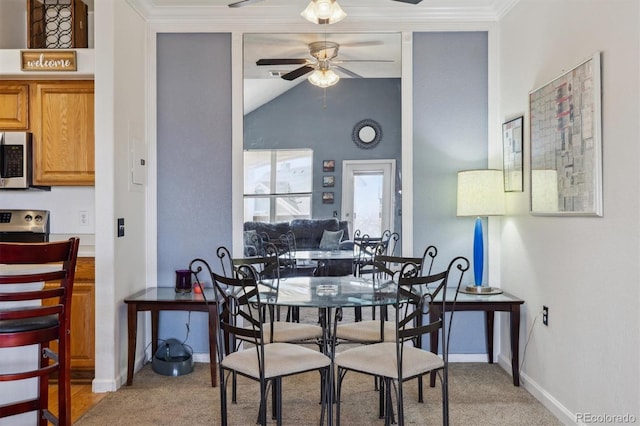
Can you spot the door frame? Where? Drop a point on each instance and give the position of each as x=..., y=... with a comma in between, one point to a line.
x=386, y=166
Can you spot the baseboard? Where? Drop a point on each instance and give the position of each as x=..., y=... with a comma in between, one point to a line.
x=467, y=357
x=539, y=393
x=102, y=386
x=201, y=357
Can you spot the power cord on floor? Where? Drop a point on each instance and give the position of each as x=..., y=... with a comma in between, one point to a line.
x=188, y=327
x=524, y=352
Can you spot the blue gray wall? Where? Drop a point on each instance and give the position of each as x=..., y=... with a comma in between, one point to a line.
x=194, y=163
x=194, y=150
x=450, y=101
x=310, y=117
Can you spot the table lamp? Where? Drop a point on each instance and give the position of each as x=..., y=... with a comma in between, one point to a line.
x=480, y=193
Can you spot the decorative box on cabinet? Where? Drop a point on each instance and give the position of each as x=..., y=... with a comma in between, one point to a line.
x=83, y=358
x=62, y=123
x=57, y=24
x=14, y=105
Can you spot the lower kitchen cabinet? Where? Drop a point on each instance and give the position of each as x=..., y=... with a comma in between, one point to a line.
x=83, y=322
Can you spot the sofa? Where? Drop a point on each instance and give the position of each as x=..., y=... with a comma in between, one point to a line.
x=309, y=235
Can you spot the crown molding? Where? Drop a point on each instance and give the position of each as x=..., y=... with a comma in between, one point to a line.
x=358, y=15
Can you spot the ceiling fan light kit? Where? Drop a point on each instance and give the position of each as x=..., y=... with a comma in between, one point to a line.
x=323, y=12
x=323, y=78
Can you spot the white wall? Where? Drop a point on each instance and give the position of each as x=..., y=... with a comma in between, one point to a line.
x=121, y=70
x=584, y=269
x=13, y=28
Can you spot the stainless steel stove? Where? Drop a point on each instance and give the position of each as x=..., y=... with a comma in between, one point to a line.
x=24, y=226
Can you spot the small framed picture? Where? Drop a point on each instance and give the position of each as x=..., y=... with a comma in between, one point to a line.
x=328, y=181
x=329, y=165
x=327, y=198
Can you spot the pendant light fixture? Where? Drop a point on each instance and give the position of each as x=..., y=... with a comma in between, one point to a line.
x=323, y=12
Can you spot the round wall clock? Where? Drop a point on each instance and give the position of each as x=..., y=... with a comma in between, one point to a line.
x=366, y=134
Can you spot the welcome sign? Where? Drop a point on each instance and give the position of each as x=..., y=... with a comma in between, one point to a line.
x=48, y=60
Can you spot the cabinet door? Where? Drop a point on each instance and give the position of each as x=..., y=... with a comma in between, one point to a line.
x=14, y=105
x=63, y=132
x=82, y=338
x=82, y=328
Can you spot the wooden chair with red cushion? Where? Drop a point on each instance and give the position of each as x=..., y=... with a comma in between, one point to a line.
x=32, y=313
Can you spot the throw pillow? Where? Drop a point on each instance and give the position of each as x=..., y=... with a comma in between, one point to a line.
x=248, y=237
x=330, y=240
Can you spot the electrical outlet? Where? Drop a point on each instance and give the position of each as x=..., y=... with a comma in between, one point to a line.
x=84, y=218
x=545, y=315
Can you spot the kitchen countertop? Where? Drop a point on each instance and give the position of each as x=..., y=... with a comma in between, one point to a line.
x=87, y=243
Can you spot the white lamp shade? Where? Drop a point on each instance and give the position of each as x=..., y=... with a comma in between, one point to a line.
x=544, y=191
x=480, y=193
x=323, y=12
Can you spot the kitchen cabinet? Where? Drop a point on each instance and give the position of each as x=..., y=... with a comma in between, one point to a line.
x=60, y=116
x=62, y=124
x=82, y=339
x=14, y=106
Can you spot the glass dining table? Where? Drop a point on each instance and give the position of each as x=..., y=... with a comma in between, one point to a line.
x=329, y=295
x=326, y=260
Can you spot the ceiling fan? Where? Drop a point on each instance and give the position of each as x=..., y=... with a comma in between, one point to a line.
x=242, y=3
x=324, y=55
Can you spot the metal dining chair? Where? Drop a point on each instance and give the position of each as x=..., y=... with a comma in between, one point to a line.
x=36, y=287
x=403, y=359
x=264, y=362
x=385, y=267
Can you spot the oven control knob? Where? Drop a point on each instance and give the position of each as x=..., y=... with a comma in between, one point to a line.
x=28, y=218
x=38, y=218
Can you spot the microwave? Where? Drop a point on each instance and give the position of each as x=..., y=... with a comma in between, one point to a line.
x=15, y=160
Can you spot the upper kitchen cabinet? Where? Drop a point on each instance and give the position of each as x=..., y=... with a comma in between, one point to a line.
x=62, y=123
x=14, y=106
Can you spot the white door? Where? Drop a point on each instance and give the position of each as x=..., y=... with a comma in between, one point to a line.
x=368, y=195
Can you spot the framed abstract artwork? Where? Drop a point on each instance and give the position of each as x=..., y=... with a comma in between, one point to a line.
x=566, y=143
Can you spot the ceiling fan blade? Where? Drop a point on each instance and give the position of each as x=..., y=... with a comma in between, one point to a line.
x=409, y=1
x=291, y=61
x=298, y=72
x=242, y=3
x=347, y=72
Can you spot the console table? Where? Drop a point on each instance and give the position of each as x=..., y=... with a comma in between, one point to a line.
x=166, y=299
x=503, y=302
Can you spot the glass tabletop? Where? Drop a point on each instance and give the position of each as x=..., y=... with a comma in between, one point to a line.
x=327, y=292
x=321, y=254
x=168, y=294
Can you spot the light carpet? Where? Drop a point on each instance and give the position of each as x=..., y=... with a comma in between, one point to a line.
x=480, y=394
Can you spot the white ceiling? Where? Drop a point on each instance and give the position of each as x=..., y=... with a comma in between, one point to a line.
x=261, y=83
x=346, y=4
x=269, y=9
